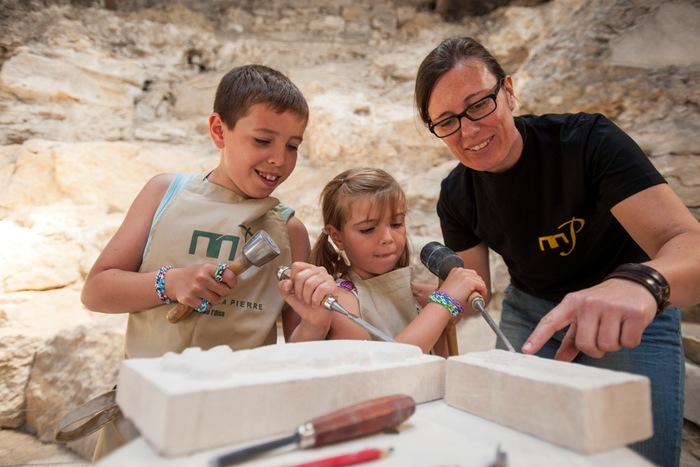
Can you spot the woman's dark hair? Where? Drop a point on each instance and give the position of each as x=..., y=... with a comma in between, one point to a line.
x=442, y=59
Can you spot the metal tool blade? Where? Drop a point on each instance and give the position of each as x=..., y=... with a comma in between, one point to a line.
x=244, y=454
x=440, y=260
x=332, y=304
x=501, y=458
x=350, y=422
x=478, y=304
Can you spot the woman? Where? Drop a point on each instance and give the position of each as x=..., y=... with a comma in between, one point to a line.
x=596, y=243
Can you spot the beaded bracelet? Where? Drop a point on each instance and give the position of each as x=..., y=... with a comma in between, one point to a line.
x=347, y=285
x=160, y=285
x=647, y=276
x=441, y=298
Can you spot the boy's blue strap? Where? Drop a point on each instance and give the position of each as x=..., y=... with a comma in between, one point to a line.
x=175, y=187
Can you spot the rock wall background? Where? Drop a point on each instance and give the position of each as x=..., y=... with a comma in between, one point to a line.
x=97, y=97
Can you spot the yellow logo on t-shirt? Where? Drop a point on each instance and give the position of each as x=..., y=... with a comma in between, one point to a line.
x=567, y=238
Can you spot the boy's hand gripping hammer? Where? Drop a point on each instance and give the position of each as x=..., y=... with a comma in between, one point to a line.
x=257, y=251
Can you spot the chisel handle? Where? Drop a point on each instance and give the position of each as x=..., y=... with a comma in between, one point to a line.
x=361, y=419
x=474, y=297
x=477, y=302
x=182, y=311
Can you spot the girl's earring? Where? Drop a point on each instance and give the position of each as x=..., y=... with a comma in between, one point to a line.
x=341, y=253
x=344, y=257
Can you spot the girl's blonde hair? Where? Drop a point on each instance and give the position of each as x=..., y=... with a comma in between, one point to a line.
x=337, y=197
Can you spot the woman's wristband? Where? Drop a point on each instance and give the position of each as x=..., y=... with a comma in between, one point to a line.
x=647, y=276
x=441, y=298
x=160, y=285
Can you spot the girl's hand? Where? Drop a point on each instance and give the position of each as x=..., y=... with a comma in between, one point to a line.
x=460, y=284
x=305, y=291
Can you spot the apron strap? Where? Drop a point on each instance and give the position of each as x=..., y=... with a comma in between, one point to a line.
x=98, y=412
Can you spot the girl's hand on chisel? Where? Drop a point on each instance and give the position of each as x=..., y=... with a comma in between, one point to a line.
x=305, y=291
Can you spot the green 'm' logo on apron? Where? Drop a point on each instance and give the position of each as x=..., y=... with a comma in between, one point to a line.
x=214, y=242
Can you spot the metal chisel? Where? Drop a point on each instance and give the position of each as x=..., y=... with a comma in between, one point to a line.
x=440, y=260
x=364, y=418
x=332, y=304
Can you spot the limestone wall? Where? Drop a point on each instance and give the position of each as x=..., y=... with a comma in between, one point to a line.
x=94, y=101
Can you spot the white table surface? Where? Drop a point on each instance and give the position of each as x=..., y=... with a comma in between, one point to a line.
x=436, y=435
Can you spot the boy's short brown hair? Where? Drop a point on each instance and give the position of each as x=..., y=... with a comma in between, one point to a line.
x=247, y=85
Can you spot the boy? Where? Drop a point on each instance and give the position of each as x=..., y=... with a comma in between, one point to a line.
x=182, y=229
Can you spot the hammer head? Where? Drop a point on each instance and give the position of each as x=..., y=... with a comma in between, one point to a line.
x=439, y=259
x=260, y=249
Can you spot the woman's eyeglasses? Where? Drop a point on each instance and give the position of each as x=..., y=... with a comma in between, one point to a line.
x=478, y=110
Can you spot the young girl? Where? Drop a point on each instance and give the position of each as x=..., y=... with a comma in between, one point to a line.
x=364, y=246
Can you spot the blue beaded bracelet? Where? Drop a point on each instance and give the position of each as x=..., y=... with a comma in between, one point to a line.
x=441, y=298
x=160, y=286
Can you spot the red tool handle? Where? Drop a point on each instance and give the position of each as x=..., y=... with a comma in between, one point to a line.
x=362, y=419
x=182, y=311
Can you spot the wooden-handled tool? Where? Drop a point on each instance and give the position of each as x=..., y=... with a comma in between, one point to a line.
x=477, y=302
x=257, y=251
x=440, y=260
x=356, y=420
x=330, y=303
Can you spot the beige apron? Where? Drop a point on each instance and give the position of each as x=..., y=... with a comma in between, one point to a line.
x=387, y=301
x=206, y=222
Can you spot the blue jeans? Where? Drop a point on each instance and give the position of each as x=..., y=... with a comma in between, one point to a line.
x=659, y=357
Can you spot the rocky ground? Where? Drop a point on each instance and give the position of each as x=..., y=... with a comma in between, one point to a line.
x=17, y=448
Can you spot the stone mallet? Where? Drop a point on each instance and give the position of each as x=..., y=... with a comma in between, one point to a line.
x=257, y=251
x=440, y=260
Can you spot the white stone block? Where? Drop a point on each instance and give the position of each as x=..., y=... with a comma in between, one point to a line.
x=198, y=400
x=585, y=409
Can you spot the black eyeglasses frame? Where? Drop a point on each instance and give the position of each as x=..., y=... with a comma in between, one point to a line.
x=493, y=96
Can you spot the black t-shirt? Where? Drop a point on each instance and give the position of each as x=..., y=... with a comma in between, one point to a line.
x=549, y=215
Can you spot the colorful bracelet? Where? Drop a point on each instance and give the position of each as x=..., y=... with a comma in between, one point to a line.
x=219, y=274
x=160, y=286
x=441, y=298
x=347, y=285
